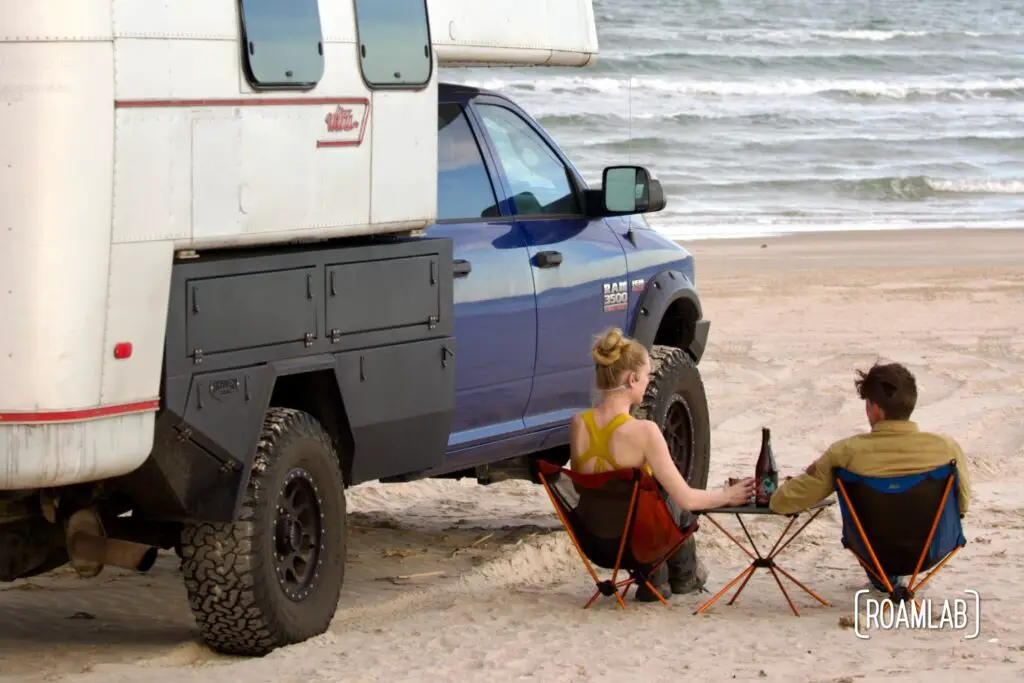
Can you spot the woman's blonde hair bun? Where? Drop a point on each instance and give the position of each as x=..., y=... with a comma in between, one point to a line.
x=615, y=354
x=608, y=349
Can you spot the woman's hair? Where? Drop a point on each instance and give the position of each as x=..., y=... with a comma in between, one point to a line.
x=615, y=355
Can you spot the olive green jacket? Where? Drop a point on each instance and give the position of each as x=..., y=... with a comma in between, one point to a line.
x=891, y=448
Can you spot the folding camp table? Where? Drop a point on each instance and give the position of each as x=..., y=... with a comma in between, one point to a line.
x=759, y=561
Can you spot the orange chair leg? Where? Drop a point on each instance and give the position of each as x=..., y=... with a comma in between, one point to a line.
x=864, y=538
x=934, y=571
x=931, y=535
x=583, y=556
x=572, y=537
x=656, y=593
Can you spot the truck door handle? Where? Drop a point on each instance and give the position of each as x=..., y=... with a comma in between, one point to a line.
x=549, y=259
x=462, y=267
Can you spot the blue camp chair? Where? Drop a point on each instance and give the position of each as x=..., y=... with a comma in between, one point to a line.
x=902, y=525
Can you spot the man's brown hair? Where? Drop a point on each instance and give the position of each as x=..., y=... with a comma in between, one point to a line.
x=889, y=386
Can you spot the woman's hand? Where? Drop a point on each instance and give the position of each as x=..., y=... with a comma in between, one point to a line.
x=740, y=492
x=665, y=471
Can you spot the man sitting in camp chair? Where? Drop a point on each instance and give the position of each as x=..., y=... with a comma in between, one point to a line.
x=893, y=448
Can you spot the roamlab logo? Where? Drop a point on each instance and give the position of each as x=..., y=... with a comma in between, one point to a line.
x=882, y=614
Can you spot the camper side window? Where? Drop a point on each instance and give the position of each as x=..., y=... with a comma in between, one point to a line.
x=394, y=43
x=282, y=43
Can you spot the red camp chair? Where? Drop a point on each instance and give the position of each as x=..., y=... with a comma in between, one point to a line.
x=617, y=520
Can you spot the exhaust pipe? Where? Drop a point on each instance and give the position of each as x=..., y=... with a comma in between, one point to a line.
x=89, y=548
x=113, y=551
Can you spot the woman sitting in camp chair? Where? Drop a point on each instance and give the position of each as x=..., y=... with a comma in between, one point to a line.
x=607, y=438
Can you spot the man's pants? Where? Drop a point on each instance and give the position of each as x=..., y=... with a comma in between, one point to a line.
x=893, y=581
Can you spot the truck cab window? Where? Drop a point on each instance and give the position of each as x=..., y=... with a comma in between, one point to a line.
x=539, y=180
x=394, y=42
x=464, y=187
x=282, y=43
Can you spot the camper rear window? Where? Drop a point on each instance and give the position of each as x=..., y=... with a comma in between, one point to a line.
x=283, y=43
x=394, y=43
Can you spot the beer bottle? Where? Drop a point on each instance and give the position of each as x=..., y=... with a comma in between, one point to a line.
x=766, y=473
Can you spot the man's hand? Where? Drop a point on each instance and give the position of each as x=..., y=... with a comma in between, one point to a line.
x=807, y=488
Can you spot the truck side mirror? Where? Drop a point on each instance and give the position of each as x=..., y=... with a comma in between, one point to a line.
x=630, y=189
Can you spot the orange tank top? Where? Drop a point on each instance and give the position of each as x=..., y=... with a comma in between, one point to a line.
x=598, y=446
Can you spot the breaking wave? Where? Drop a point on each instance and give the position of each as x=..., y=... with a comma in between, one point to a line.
x=1009, y=88
x=894, y=188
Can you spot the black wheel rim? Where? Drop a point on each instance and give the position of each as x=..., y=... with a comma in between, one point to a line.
x=679, y=435
x=298, y=534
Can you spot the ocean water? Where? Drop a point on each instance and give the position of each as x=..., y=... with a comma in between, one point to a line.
x=778, y=116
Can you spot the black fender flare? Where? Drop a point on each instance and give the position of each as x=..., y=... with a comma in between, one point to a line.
x=213, y=420
x=661, y=292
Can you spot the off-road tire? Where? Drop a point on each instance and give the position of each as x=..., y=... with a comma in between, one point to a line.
x=231, y=570
x=676, y=389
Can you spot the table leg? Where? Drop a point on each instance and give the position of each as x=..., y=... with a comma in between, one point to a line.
x=745, y=573
x=797, y=532
x=750, y=572
x=730, y=536
x=782, y=588
x=763, y=562
x=753, y=565
x=806, y=589
x=779, y=548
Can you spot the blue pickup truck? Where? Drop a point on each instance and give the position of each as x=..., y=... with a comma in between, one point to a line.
x=291, y=372
x=538, y=277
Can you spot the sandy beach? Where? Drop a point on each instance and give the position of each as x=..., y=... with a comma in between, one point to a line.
x=493, y=589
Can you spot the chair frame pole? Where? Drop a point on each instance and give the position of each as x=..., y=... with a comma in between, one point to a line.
x=931, y=533
x=880, y=574
x=622, y=548
x=579, y=549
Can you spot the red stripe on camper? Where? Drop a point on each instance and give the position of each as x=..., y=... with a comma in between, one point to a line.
x=78, y=414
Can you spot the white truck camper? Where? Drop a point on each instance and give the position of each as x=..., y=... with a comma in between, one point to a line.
x=200, y=201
